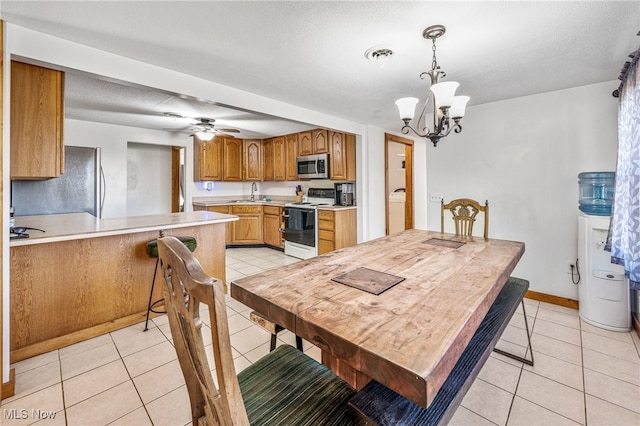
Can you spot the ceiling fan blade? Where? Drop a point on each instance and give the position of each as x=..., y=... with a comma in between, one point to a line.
x=228, y=130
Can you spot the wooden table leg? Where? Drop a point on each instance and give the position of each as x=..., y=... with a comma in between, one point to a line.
x=355, y=378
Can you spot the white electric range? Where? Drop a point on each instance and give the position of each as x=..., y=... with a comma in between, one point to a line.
x=301, y=223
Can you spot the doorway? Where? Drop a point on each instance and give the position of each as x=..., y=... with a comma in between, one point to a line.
x=155, y=179
x=398, y=154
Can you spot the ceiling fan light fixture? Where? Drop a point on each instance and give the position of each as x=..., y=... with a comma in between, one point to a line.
x=205, y=135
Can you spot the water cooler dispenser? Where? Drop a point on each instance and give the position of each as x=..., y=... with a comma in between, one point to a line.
x=603, y=290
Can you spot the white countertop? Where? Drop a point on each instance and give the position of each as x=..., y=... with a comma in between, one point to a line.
x=225, y=201
x=73, y=226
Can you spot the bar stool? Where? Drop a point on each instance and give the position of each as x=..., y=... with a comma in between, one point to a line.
x=152, y=251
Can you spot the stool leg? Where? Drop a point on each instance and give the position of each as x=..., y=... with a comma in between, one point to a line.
x=299, y=343
x=273, y=342
x=153, y=283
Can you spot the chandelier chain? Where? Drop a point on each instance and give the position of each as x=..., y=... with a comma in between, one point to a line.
x=434, y=62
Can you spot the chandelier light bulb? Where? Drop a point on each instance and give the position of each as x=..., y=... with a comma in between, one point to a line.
x=458, y=106
x=444, y=93
x=407, y=107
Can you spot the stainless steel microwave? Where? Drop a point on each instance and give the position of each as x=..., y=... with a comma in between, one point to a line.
x=313, y=166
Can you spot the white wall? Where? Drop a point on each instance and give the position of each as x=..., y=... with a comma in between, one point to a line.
x=113, y=141
x=524, y=156
x=149, y=178
x=397, y=173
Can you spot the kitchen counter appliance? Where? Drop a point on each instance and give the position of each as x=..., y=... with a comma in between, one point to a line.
x=301, y=223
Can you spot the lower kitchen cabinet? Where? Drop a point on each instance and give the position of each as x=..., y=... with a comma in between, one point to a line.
x=336, y=229
x=248, y=228
x=219, y=209
x=272, y=224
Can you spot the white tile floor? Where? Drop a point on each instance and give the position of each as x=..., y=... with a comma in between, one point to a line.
x=582, y=374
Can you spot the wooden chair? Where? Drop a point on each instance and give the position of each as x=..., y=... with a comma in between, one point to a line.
x=464, y=211
x=285, y=387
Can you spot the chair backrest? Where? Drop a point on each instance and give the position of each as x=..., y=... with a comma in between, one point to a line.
x=464, y=212
x=186, y=285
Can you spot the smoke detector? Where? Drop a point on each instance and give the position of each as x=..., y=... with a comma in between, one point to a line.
x=378, y=53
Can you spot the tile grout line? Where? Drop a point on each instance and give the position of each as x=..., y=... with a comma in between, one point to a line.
x=132, y=383
x=584, y=381
x=64, y=404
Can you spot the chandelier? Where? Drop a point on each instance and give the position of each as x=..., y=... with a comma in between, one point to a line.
x=448, y=109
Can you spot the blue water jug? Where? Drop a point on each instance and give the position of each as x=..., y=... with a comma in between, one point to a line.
x=596, y=192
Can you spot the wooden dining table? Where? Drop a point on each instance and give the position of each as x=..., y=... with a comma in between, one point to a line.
x=398, y=309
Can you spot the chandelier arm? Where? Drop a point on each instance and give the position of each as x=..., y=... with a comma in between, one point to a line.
x=406, y=128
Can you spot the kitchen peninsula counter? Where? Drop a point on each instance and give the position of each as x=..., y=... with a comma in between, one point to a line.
x=73, y=226
x=84, y=276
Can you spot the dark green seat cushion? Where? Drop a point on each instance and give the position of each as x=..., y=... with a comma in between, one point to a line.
x=152, y=246
x=289, y=388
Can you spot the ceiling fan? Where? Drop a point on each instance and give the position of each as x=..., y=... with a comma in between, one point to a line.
x=203, y=128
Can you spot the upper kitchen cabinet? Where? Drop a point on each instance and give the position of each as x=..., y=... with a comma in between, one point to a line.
x=37, y=118
x=342, y=156
x=232, y=163
x=252, y=160
x=274, y=159
x=208, y=159
x=279, y=159
x=320, y=141
x=291, y=148
x=305, y=143
x=267, y=151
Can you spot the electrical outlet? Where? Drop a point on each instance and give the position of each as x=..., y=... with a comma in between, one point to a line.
x=571, y=267
x=436, y=197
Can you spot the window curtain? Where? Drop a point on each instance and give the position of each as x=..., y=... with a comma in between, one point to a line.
x=624, y=233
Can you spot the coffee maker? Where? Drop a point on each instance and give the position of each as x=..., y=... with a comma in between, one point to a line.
x=344, y=194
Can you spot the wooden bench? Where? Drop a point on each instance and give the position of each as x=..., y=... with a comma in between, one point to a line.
x=272, y=328
x=375, y=404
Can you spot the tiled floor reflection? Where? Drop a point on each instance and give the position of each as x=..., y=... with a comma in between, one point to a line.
x=582, y=375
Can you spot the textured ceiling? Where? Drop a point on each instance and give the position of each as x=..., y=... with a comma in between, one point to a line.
x=311, y=54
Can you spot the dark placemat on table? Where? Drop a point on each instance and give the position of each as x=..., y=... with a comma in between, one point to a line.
x=443, y=243
x=368, y=280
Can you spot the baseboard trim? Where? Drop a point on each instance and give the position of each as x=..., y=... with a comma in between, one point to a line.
x=78, y=336
x=9, y=388
x=554, y=300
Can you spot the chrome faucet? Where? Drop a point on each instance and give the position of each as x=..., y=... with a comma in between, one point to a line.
x=253, y=188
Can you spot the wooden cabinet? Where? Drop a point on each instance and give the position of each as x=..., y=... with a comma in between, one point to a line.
x=342, y=156
x=305, y=143
x=279, y=159
x=320, y=141
x=268, y=153
x=291, y=154
x=232, y=159
x=37, y=119
x=252, y=160
x=336, y=229
x=313, y=142
x=274, y=152
x=248, y=228
x=272, y=223
x=219, y=209
x=207, y=156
